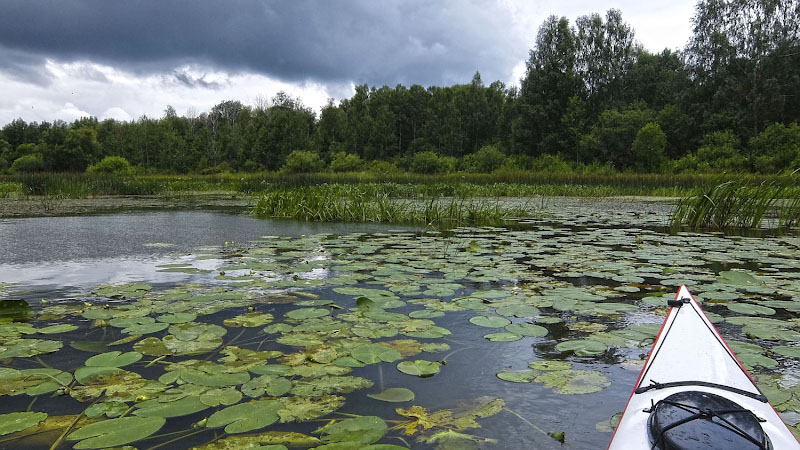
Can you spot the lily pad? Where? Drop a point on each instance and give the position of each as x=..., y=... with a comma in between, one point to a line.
x=582, y=347
x=420, y=368
x=394, y=395
x=527, y=329
x=220, y=396
x=18, y=421
x=574, y=381
x=361, y=430
x=490, y=321
x=375, y=353
x=749, y=308
x=520, y=376
x=182, y=407
x=246, y=417
x=57, y=329
x=308, y=313
x=114, y=359
x=114, y=432
x=502, y=337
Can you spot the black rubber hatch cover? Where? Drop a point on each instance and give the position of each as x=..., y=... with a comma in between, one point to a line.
x=694, y=420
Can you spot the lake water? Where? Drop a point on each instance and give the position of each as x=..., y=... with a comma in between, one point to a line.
x=320, y=296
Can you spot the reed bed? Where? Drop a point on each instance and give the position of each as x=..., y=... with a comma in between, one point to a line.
x=740, y=204
x=370, y=204
x=404, y=185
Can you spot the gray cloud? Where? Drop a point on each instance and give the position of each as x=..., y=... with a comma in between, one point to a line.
x=379, y=42
x=24, y=66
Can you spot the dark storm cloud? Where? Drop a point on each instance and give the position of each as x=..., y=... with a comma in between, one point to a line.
x=23, y=66
x=409, y=41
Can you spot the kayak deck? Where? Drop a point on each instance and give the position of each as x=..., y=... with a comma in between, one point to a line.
x=690, y=354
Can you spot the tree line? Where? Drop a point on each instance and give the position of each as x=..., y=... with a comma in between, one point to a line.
x=591, y=98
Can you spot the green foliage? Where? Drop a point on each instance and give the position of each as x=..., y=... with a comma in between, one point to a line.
x=776, y=148
x=302, y=161
x=382, y=167
x=112, y=165
x=345, y=162
x=429, y=162
x=736, y=203
x=29, y=163
x=648, y=148
x=720, y=150
x=611, y=138
x=485, y=160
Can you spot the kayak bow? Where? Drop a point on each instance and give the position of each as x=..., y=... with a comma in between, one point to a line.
x=693, y=393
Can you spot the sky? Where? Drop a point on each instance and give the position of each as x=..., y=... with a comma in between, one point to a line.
x=70, y=59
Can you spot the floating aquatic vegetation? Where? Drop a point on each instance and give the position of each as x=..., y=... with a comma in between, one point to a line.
x=394, y=395
x=114, y=432
x=306, y=322
x=18, y=421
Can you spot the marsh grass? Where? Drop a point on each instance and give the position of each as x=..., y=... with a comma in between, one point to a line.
x=740, y=204
x=400, y=185
x=372, y=204
x=8, y=188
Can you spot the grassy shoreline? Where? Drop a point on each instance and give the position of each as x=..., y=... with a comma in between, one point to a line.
x=400, y=185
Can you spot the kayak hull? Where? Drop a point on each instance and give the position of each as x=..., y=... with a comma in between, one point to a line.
x=690, y=354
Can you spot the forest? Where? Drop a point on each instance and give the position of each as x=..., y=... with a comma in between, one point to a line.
x=592, y=99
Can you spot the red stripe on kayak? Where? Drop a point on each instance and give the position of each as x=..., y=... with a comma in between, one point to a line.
x=741, y=366
x=641, y=373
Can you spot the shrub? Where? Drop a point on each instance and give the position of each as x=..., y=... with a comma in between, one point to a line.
x=345, y=162
x=429, y=162
x=488, y=159
x=29, y=163
x=648, y=148
x=302, y=161
x=720, y=150
x=383, y=167
x=112, y=164
x=776, y=148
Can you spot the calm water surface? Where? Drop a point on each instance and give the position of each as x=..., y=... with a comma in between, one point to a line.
x=61, y=258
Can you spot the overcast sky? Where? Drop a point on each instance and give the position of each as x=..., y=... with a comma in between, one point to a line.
x=122, y=59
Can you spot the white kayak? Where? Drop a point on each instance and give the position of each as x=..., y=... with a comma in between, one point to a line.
x=694, y=394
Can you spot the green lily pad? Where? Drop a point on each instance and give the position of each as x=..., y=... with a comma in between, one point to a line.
x=84, y=375
x=114, y=359
x=785, y=350
x=220, y=396
x=361, y=430
x=420, y=368
x=520, y=376
x=18, y=421
x=182, y=407
x=56, y=329
x=394, y=395
x=582, y=347
x=527, y=329
x=375, y=353
x=546, y=365
x=308, y=313
x=246, y=417
x=425, y=314
x=272, y=385
x=502, y=337
x=250, y=320
x=114, y=432
x=490, y=321
x=521, y=311
x=574, y=381
x=749, y=308
x=736, y=277
x=22, y=348
x=179, y=317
